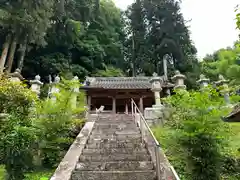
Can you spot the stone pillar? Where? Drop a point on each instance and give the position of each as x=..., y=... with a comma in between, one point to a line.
x=114, y=105
x=54, y=88
x=16, y=76
x=36, y=85
x=225, y=90
x=126, y=108
x=179, y=78
x=141, y=105
x=156, y=82
x=89, y=98
x=75, y=91
x=203, y=81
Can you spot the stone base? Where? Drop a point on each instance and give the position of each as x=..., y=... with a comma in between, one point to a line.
x=154, y=116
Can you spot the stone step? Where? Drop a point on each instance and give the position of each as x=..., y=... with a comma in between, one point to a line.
x=118, y=137
x=114, y=126
x=114, y=145
x=116, y=129
x=114, y=175
x=114, y=157
x=116, y=150
x=116, y=165
x=115, y=132
x=112, y=140
x=115, y=122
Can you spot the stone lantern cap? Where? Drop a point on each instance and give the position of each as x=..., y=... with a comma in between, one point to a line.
x=36, y=80
x=203, y=79
x=178, y=75
x=156, y=82
x=17, y=74
x=56, y=80
x=221, y=80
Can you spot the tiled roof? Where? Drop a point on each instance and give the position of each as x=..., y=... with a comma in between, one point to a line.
x=235, y=111
x=120, y=82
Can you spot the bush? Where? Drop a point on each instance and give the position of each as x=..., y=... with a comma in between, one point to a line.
x=197, y=134
x=16, y=131
x=55, y=124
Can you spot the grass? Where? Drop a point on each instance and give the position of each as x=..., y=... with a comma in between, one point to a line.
x=38, y=175
x=234, y=141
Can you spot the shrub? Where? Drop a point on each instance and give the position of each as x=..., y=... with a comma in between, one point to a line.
x=199, y=132
x=16, y=131
x=55, y=123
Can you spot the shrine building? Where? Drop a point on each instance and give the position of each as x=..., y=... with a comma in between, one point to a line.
x=115, y=93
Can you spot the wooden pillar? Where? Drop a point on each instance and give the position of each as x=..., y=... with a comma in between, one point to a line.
x=89, y=102
x=141, y=104
x=114, y=105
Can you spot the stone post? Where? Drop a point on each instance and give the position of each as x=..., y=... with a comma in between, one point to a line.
x=156, y=82
x=114, y=105
x=126, y=108
x=141, y=104
x=16, y=76
x=89, y=99
x=36, y=85
x=225, y=90
x=179, y=78
x=203, y=81
x=54, y=88
x=75, y=91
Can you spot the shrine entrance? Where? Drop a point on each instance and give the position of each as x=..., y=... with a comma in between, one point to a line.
x=119, y=101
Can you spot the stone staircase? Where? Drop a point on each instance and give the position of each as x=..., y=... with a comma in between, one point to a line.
x=114, y=151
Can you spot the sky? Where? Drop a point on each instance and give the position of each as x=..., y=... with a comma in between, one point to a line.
x=212, y=24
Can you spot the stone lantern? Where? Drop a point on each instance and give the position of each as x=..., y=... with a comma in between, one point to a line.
x=225, y=90
x=153, y=115
x=54, y=88
x=156, y=82
x=76, y=85
x=179, y=78
x=36, y=84
x=16, y=76
x=203, y=81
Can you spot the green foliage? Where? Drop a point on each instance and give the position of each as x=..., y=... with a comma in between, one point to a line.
x=54, y=123
x=238, y=17
x=38, y=175
x=84, y=41
x=37, y=132
x=16, y=132
x=195, y=136
x=109, y=72
x=156, y=28
x=225, y=62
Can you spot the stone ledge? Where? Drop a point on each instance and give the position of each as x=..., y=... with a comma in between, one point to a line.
x=69, y=162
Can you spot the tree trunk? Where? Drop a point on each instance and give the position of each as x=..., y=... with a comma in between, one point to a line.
x=62, y=7
x=133, y=56
x=11, y=54
x=4, y=52
x=22, y=55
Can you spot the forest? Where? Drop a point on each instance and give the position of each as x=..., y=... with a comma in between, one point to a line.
x=91, y=37
x=95, y=38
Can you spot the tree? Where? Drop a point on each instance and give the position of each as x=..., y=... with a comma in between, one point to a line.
x=157, y=28
x=25, y=23
x=225, y=62
x=96, y=43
